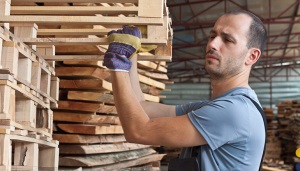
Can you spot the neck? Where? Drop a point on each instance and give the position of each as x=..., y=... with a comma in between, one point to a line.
x=220, y=86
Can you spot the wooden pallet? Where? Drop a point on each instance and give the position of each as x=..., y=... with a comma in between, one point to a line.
x=58, y=25
x=22, y=151
x=22, y=108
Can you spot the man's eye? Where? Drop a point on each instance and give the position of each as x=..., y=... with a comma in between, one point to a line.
x=228, y=40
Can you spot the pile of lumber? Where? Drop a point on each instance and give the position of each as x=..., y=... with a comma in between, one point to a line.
x=28, y=90
x=273, y=143
x=71, y=36
x=86, y=115
x=286, y=111
x=294, y=127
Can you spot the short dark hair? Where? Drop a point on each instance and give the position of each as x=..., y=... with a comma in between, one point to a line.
x=257, y=35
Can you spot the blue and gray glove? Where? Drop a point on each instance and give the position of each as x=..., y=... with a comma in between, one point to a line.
x=123, y=45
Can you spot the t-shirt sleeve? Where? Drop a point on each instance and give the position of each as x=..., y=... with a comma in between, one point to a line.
x=220, y=122
x=186, y=108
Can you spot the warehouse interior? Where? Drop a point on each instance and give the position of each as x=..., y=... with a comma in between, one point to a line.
x=57, y=108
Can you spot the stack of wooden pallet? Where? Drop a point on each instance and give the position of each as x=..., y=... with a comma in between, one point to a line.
x=294, y=127
x=27, y=90
x=285, y=111
x=74, y=34
x=273, y=144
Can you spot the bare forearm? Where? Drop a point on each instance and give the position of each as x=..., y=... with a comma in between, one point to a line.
x=152, y=109
x=131, y=114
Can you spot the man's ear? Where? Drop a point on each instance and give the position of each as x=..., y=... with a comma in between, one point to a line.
x=254, y=54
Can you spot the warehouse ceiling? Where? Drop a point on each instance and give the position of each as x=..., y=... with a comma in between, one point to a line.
x=192, y=21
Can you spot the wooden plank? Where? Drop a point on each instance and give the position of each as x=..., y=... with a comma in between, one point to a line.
x=151, y=82
x=7, y=102
x=87, y=107
x=86, y=20
x=141, y=57
x=75, y=31
x=82, y=72
x=5, y=10
x=54, y=89
x=130, y=163
x=77, y=1
x=99, y=148
x=85, y=63
x=104, y=159
x=150, y=90
x=72, y=10
x=10, y=57
x=151, y=66
x=91, y=129
x=153, y=8
x=88, y=139
x=48, y=158
x=91, y=96
x=26, y=154
x=88, y=118
x=26, y=112
x=81, y=41
x=84, y=84
x=6, y=151
x=158, y=76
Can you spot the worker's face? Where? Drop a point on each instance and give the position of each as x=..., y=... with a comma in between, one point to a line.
x=227, y=50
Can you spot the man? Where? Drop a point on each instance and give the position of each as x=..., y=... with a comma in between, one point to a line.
x=228, y=128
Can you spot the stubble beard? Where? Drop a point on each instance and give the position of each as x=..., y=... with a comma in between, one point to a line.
x=219, y=72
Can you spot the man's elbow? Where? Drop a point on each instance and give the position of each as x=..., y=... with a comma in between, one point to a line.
x=134, y=138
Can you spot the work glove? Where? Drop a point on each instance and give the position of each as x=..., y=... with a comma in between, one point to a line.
x=123, y=45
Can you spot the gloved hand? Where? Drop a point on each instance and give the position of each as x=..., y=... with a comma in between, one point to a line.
x=123, y=44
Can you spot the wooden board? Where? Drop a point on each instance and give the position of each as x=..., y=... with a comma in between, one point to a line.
x=150, y=90
x=125, y=164
x=104, y=159
x=153, y=75
x=99, y=148
x=72, y=10
x=82, y=72
x=88, y=139
x=85, y=20
x=86, y=107
x=91, y=96
x=85, y=118
x=91, y=129
x=84, y=84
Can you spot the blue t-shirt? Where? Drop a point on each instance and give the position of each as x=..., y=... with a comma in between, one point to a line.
x=233, y=129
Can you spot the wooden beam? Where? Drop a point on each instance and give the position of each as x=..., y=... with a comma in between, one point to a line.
x=99, y=148
x=93, y=20
x=141, y=57
x=74, y=31
x=88, y=118
x=153, y=8
x=86, y=107
x=88, y=139
x=132, y=163
x=84, y=84
x=77, y=1
x=82, y=72
x=91, y=96
x=91, y=129
x=72, y=10
x=80, y=41
x=104, y=159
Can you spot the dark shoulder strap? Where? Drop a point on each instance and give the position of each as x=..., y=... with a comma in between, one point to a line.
x=265, y=123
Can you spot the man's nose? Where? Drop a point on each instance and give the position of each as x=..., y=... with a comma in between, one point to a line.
x=214, y=44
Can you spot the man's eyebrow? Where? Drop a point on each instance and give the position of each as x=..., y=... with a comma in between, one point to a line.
x=212, y=32
x=228, y=35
